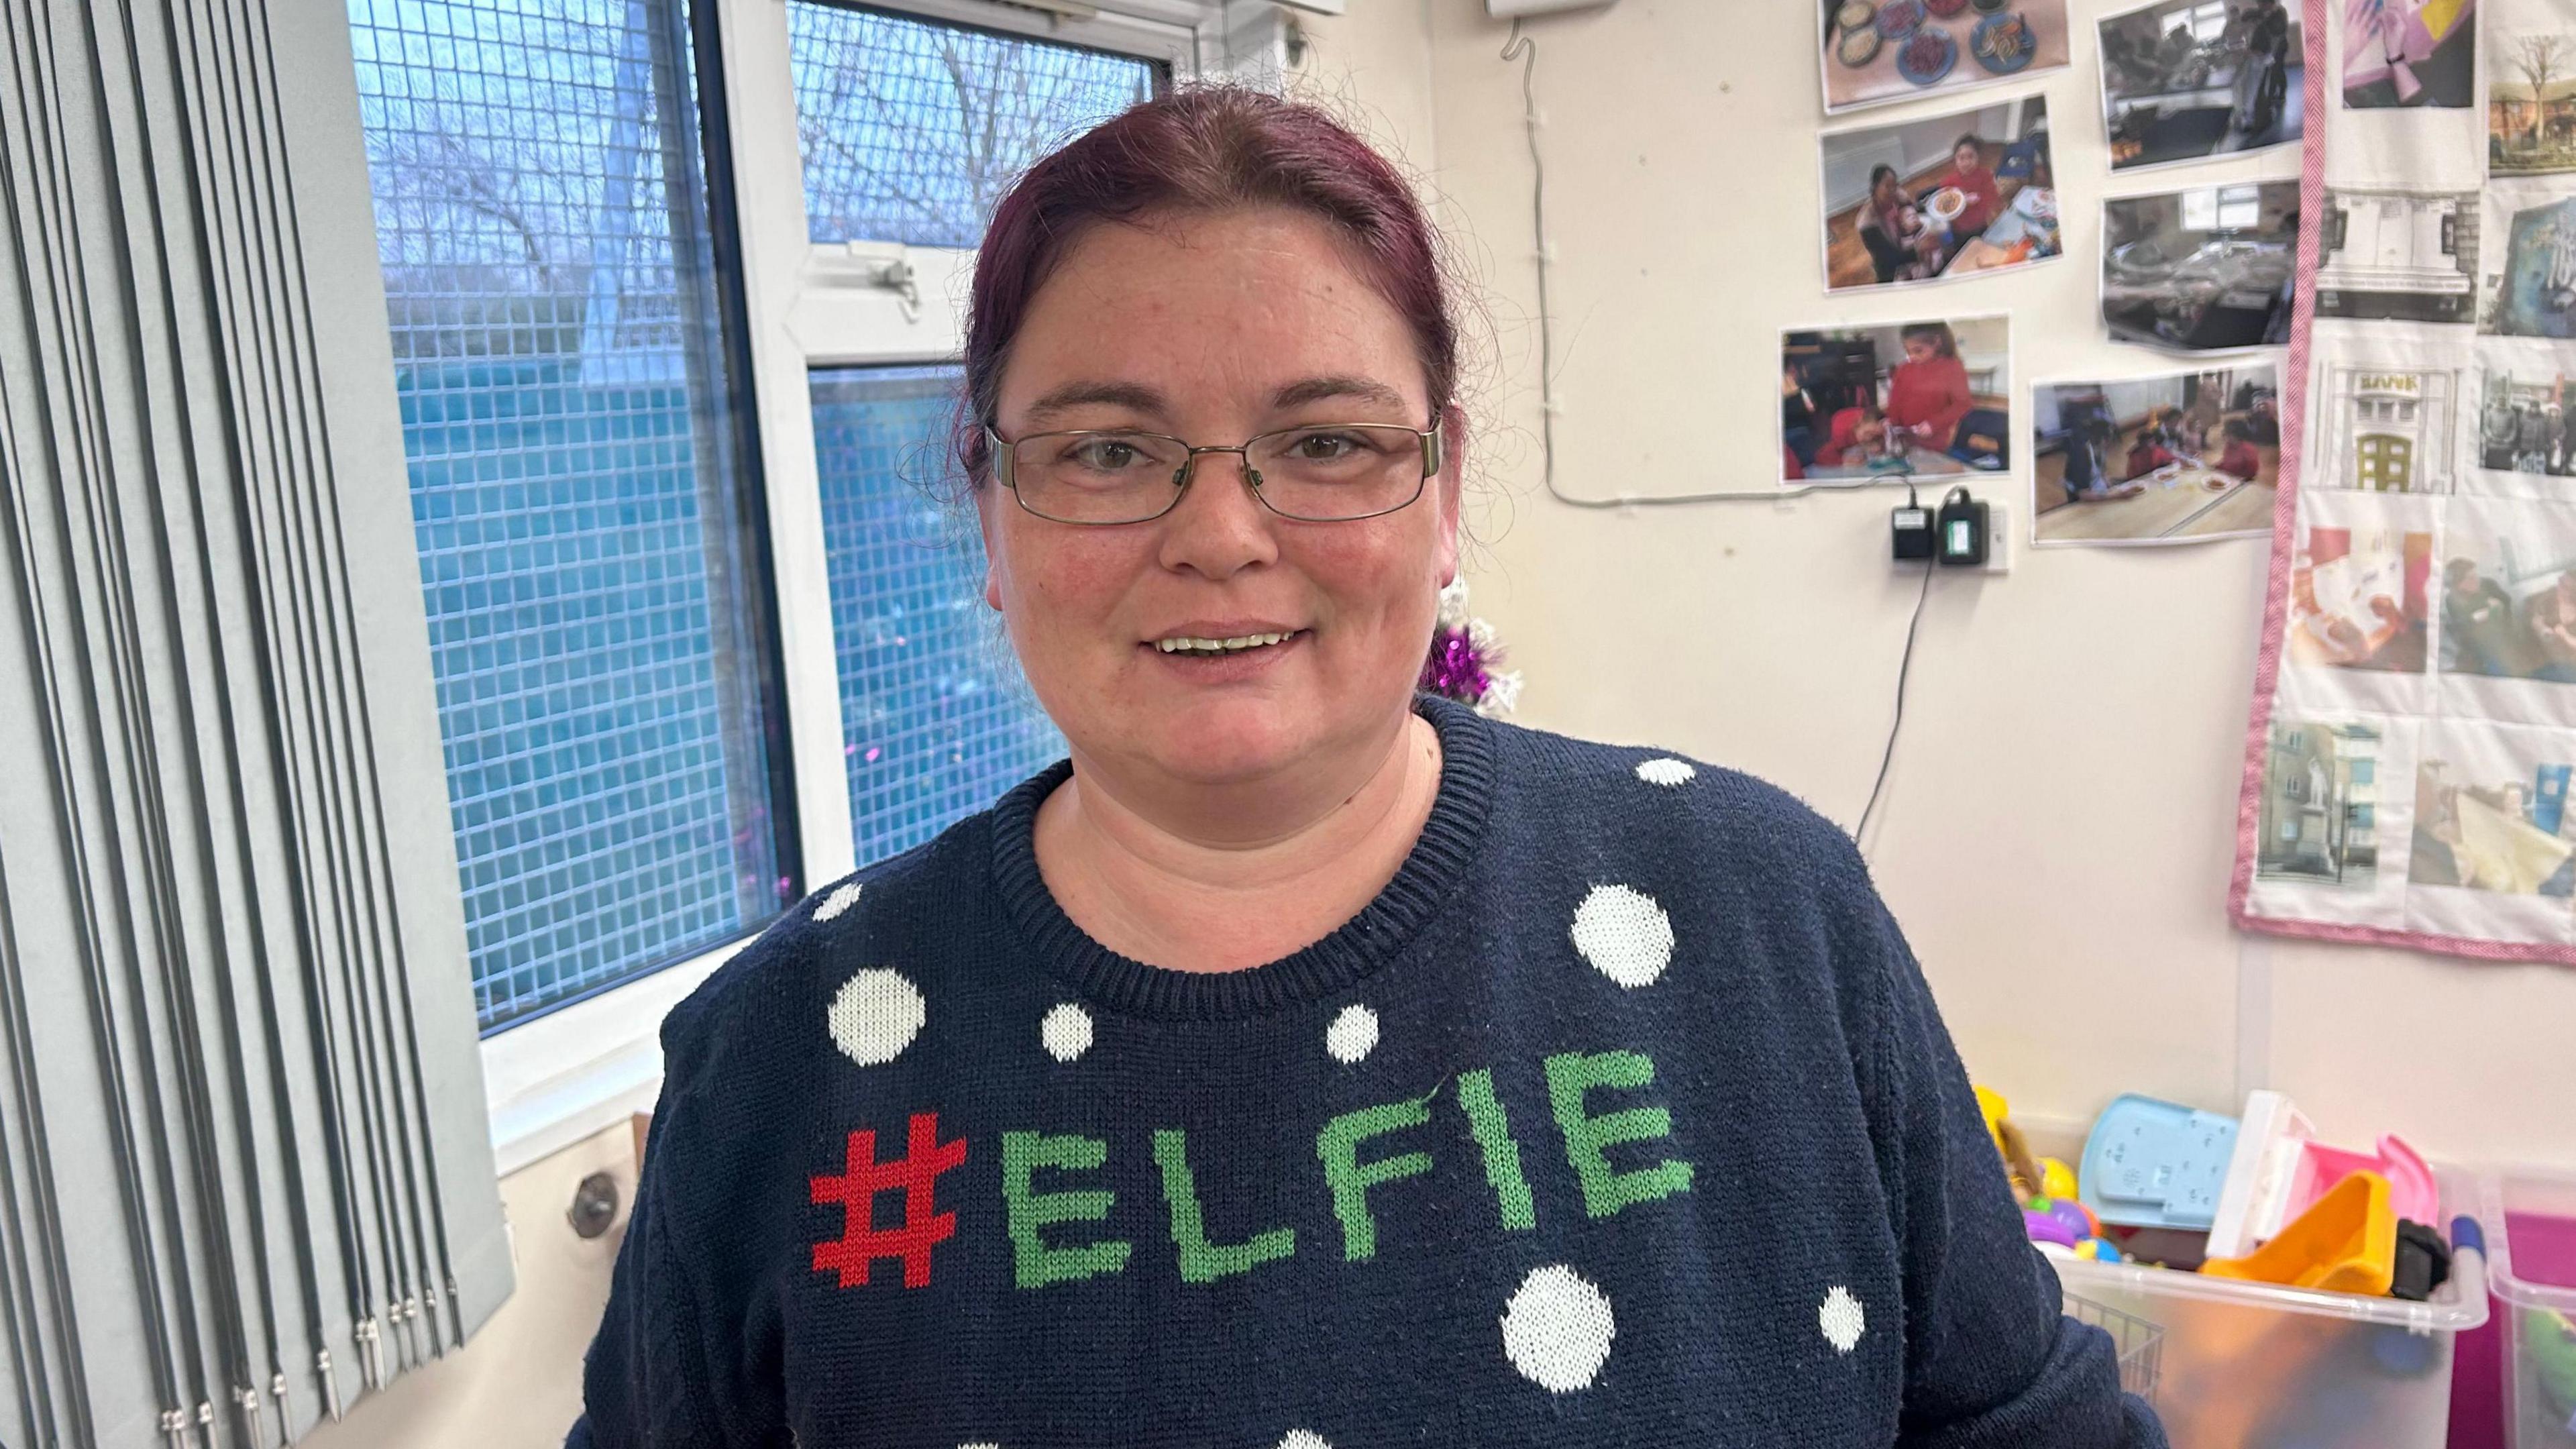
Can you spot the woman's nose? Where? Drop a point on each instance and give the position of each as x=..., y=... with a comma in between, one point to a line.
x=1218, y=528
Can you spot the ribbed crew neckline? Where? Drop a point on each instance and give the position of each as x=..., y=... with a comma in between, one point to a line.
x=1356, y=949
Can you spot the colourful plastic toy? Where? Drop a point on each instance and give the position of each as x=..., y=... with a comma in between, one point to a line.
x=2279, y=1170
x=2031, y=1176
x=2152, y=1164
x=2346, y=1243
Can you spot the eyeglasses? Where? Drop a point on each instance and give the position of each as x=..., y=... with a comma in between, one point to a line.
x=1319, y=473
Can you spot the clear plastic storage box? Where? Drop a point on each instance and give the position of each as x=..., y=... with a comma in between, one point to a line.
x=2531, y=1239
x=2236, y=1365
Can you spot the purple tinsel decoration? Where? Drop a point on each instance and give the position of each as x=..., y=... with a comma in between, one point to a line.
x=1456, y=668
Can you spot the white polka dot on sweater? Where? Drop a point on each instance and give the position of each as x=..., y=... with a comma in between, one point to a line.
x=1841, y=1319
x=1065, y=1031
x=1303, y=1439
x=1666, y=771
x=843, y=896
x=1353, y=1034
x=979, y=1446
x=1624, y=934
x=874, y=1016
x=1557, y=1329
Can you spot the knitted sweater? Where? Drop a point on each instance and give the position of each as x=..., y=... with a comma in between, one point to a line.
x=1622, y=1116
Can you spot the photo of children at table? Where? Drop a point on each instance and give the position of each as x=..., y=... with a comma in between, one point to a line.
x=1916, y=399
x=2180, y=457
x=1974, y=192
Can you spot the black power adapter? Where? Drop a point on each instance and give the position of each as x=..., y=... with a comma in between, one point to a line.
x=1911, y=530
x=1963, y=530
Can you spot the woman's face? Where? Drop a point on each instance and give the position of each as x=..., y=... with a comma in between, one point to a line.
x=1883, y=191
x=1216, y=329
x=1921, y=349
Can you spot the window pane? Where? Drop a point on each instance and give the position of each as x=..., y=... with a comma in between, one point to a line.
x=912, y=130
x=2200, y=211
x=935, y=718
x=542, y=221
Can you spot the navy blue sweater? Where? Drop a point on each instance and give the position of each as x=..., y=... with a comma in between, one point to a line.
x=1621, y=1117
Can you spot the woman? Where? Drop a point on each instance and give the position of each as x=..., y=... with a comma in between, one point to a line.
x=1304, y=1062
x=1901, y=245
x=1928, y=393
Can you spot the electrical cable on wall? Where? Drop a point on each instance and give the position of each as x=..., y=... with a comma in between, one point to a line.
x=1904, y=669
x=1522, y=48
x=1525, y=50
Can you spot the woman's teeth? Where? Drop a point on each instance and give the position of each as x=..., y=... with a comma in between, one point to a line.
x=1186, y=645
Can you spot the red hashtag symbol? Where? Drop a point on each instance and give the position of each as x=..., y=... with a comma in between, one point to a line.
x=856, y=1189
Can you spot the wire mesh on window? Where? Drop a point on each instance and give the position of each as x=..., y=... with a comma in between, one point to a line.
x=542, y=223
x=912, y=130
x=935, y=718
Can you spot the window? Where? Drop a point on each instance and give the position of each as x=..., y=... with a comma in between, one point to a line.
x=2365, y=772
x=2363, y=817
x=911, y=131
x=935, y=718
x=594, y=592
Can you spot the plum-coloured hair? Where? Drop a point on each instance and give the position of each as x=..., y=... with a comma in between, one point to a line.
x=1204, y=150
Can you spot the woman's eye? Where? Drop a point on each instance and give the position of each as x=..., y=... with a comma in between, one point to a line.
x=1324, y=447
x=1107, y=455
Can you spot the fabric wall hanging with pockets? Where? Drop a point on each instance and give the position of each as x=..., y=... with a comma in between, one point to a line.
x=2414, y=724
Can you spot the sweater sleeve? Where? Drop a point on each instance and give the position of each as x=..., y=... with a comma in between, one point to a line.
x=664, y=1369
x=1990, y=1360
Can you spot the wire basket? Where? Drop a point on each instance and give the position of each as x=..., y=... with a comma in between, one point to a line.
x=2139, y=1343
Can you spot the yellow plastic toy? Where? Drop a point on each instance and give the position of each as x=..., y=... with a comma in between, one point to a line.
x=2346, y=1242
x=2031, y=1177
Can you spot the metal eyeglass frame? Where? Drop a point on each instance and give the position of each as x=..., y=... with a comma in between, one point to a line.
x=1005, y=466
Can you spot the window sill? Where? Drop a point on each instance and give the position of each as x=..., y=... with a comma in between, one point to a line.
x=586, y=1068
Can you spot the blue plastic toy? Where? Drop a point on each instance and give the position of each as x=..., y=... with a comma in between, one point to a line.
x=2152, y=1164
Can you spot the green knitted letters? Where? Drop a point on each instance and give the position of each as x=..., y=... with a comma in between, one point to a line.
x=1493, y=1132
x=1201, y=1260
x=1338, y=1145
x=1569, y=1076
x=1034, y=1264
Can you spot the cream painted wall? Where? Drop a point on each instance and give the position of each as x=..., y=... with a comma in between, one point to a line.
x=2057, y=834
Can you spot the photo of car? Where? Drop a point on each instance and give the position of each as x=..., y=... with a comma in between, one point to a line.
x=2201, y=270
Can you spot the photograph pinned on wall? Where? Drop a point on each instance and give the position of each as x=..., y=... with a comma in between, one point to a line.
x=2358, y=599
x=2491, y=811
x=1946, y=196
x=2420, y=53
x=2203, y=270
x=2527, y=270
x=2181, y=458
x=2187, y=79
x=1928, y=399
x=2531, y=103
x=1878, y=51
x=2386, y=427
x=2508, y=605
x=2525, y=420
x=2408, y=256
x=2319, y=817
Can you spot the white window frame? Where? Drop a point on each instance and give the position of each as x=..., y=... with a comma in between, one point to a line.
x=564, y=1076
